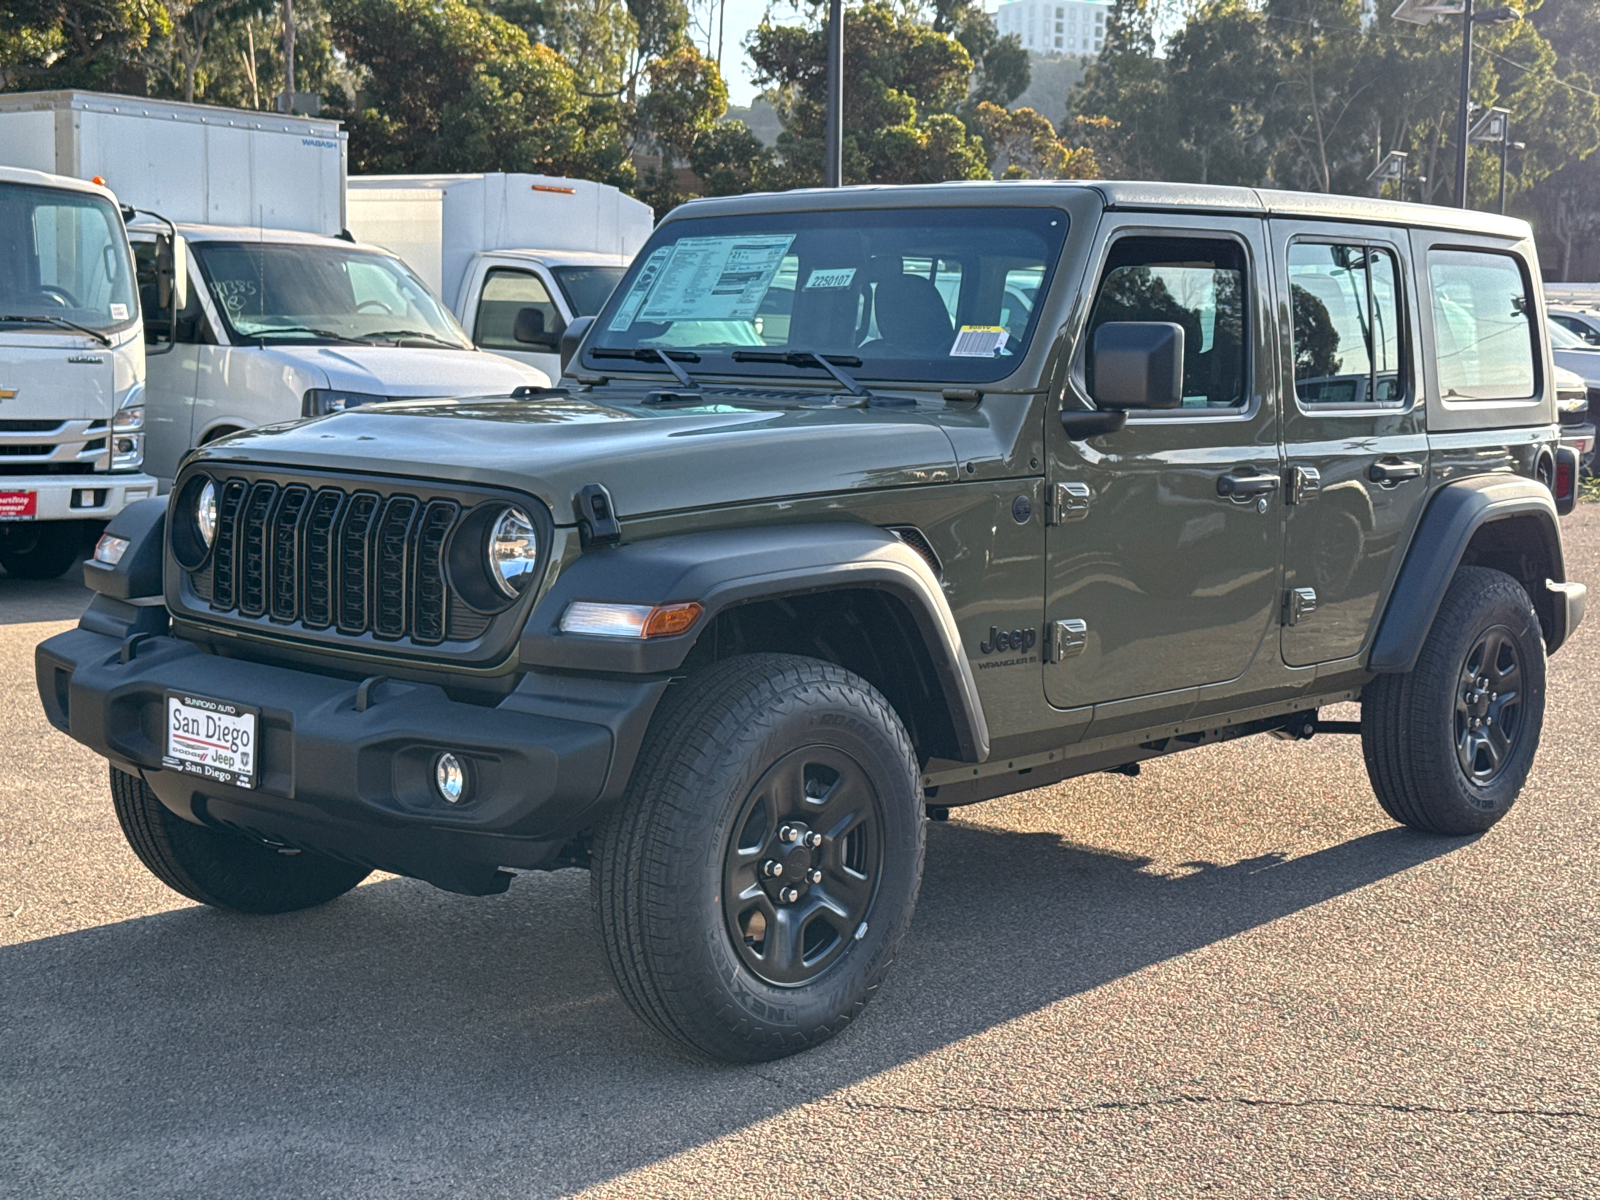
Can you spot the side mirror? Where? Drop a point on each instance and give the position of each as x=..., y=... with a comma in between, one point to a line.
x=529, y=329
x=572, y=338
x=172, y=272
x=1138, y=364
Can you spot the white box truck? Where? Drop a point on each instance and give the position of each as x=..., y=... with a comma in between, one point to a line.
x=286, y=315
x=72, y=370
x=517, y=257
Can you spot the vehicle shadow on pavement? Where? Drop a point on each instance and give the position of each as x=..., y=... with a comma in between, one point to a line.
x=24, y=601
x=405, y=1041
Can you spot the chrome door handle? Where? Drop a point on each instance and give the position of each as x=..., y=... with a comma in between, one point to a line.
x=1238, y=485
x=1393, y=470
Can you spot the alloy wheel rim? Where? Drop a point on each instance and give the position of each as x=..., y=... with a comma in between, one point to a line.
x=802, y=866
x=1488, y=708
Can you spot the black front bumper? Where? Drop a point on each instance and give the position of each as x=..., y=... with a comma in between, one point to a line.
x=356, y=782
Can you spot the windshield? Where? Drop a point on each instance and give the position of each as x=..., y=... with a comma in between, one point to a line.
x=587, y=288
x=1565, y=339
x=917, y=294
x=64, y=256
x=320, y=292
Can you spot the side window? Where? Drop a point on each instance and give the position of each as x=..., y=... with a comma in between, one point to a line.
x=1198, y=283
x=1482, y=325
x=505, y=294
x=193, y=328
x=1347, y=337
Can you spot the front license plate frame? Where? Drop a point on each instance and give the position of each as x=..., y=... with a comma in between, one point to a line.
x=215, y=739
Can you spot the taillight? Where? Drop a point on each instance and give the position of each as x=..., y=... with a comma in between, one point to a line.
x=1566, y=479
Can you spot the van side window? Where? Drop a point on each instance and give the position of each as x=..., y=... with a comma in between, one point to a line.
x=505, y=294
x=1347, y=343
x=193, y=328
x=1482, y=325
x=1199, y=283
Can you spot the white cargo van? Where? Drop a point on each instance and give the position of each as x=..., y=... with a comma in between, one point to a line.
x=71, y=370
x=285, y=315
x=517, y=257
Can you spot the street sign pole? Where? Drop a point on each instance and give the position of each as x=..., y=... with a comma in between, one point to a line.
x=1466, y=100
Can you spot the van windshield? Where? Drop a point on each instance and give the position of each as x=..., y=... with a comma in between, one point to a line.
x=63, y=257
x=318, y=292
x=917, y=294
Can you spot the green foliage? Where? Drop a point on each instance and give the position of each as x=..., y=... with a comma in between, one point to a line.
x=905, y=83
x=98, y=44
x=1024, y=145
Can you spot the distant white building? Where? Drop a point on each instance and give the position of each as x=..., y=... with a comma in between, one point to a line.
x=1055, y=26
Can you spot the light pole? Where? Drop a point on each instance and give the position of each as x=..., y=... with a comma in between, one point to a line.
x=833, y=151
x=1420, y=12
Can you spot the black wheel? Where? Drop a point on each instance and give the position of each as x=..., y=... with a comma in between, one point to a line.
x=755, y=884
x=1449, y=745
x=222, y=869
x=55, y=547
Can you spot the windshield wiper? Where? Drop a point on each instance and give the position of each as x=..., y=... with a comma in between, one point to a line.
x=41, y=319
x=416, y=334
x=654, y=354
x=806, y=358
x=303, y=330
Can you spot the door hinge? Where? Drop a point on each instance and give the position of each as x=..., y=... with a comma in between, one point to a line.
x=1297, y=603
x=1068, y=502
x=1065, y=639
x=1304, y=483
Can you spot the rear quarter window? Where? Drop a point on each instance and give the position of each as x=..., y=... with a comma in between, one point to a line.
x=1483, y=326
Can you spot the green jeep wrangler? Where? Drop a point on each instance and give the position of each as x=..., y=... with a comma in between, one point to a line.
x=852, y=506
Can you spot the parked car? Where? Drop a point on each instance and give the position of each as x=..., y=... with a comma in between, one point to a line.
x=726, y=620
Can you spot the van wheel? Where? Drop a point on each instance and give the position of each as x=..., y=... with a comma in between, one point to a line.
x=1449, y=745
x=755, y=884
x=222, y=869
x=56, y=546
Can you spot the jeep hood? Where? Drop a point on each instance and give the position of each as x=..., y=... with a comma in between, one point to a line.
x=652, y=460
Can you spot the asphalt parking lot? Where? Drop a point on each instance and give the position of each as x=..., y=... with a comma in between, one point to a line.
x=1230, y=976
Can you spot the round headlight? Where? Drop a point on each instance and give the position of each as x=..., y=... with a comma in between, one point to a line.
x=205, y=513
x=513, y=552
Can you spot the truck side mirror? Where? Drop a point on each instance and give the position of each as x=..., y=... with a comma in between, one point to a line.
x=1138, y=364
x=172, y=273
x=572, y=338
x=529, y=329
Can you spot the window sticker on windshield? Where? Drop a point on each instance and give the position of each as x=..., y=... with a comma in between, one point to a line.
x=119, y=312
x=839, y=277
x=641, y=288
x=978, y=341
x=714, y=278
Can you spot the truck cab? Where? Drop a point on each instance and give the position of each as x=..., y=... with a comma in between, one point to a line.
x=71, y=370
x=519, y=302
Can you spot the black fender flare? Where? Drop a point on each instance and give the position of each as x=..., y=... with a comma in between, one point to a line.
x=722, y=568
x=1454, y=515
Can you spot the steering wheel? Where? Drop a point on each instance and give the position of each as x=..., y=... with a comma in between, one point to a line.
x=377, y=304
x=60, y=295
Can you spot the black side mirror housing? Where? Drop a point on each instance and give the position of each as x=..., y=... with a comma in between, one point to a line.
x=572, y=338
x=1138, y=364
x=530, y=331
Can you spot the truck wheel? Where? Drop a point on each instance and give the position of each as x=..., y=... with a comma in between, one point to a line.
x=221, y=869
x=754, y=885
x=50, y=555
x=1449, y=745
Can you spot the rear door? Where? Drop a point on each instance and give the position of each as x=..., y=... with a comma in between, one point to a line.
x=1354, y=437
x=1162, y=577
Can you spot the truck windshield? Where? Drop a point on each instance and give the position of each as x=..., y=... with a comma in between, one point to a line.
x=917, y=294
x=587, y=288
x=63, y=258
x=315, y=292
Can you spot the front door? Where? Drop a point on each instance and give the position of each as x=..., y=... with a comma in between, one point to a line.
x=507, y=291
x=1164, y=551
x=1355, y=444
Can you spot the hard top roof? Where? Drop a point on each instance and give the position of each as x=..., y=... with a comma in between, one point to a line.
x=1117, y=194
x=41, y=179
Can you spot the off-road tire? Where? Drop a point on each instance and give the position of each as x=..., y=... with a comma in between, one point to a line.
x=222, y=869
x=1409, y=725
x=50, y=556
x=659, y=868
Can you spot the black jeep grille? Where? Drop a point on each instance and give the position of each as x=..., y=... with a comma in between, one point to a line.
x=352, y=561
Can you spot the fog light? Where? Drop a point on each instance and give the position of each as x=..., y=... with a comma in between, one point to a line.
x=109, y=550
x=450, y=777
